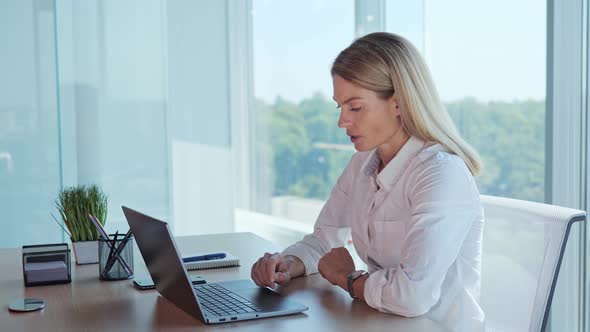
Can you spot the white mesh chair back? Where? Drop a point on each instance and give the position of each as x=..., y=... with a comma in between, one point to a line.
x=523, y=244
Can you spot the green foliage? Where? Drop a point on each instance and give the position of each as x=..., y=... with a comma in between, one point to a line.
x=75, y=203
x=510, y=138
x=301, y=146
x=302, y=151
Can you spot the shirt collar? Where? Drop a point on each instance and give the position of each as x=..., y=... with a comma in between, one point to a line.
x=390, y=174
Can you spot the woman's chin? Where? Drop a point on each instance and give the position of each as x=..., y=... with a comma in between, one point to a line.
x=361, y=147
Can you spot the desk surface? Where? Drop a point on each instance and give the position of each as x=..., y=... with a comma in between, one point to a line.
x=88, y=304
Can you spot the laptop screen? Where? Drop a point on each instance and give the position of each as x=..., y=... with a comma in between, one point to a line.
x=163, y=260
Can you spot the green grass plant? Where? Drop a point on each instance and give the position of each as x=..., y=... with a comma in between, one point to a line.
x=75, y=203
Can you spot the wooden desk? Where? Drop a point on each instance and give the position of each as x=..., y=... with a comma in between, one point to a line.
x=88, y=304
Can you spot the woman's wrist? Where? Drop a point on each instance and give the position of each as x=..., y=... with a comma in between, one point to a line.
x=295, y=266
x=359, y=287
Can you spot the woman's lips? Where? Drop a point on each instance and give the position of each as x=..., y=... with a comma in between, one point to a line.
x=354, y=139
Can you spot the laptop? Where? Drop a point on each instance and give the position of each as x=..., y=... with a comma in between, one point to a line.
x=212, y=303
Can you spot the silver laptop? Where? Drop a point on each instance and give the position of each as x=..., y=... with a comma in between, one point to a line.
x=212, y=303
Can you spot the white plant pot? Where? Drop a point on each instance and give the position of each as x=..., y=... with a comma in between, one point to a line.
x=86, y=252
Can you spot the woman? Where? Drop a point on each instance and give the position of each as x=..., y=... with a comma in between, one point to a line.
x=408, y=195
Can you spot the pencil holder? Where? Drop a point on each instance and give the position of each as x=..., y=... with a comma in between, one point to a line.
x=115, y=259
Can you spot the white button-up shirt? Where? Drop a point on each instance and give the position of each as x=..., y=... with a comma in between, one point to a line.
x=417, y=225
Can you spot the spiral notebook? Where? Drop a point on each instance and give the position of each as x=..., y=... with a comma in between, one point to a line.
x=228, y=261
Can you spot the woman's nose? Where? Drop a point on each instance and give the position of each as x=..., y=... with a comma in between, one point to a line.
x=343, y=120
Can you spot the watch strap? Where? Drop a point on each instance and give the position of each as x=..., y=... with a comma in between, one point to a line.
x=350, y=281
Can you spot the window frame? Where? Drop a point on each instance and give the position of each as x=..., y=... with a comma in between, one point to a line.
x=566, y=149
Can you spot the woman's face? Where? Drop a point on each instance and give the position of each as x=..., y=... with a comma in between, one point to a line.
x=370, y=121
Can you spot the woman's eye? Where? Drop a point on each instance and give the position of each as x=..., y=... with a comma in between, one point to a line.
x=355, y=109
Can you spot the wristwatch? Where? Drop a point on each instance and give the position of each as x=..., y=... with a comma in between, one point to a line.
x=351, y=278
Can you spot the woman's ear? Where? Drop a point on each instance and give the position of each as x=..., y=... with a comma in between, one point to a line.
x=395, y=106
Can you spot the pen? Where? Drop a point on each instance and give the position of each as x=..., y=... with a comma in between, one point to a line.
x=107, y=240
x=106, y=270
x=207, y=257
x=99, y=228
x=117, y=253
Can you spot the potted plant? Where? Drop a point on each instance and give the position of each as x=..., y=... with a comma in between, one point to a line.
x=74, y=204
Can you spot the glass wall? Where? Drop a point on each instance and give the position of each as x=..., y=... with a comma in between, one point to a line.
x=113, y=102
x=29, y=135
x=131, y=95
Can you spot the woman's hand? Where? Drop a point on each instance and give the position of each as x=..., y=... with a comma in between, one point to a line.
x=336, y=265
x=272, y=269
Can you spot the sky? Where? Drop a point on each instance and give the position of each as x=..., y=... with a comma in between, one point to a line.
x=488, y=50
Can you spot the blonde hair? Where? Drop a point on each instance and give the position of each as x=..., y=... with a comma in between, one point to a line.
x=390, y=65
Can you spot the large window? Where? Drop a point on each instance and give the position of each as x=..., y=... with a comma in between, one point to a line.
x=300, y=151
x=123, y=94
x=491, y=79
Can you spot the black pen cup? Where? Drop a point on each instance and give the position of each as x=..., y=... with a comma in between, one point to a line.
x=115, y=258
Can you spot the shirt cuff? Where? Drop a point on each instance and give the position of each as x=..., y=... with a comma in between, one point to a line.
x=302, y=252
x=374, y=288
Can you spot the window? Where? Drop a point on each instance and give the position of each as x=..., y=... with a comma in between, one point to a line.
x=491, y=77
x=300, y=151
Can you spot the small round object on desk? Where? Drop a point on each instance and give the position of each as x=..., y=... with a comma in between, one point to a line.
x=30, y=304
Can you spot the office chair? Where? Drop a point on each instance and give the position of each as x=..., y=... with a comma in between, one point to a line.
x=522, y=250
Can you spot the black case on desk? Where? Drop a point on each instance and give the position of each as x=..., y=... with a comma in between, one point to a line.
x=47, y=253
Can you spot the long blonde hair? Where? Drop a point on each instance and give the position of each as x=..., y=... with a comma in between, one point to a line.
x=390, y=65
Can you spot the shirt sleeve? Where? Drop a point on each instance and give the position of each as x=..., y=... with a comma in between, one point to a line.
x=331, y=230
x=445, y=202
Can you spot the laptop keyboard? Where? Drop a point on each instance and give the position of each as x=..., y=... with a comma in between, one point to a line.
x=221, y=301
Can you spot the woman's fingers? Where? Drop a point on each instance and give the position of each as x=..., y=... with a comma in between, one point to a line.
x=255, y=274
x=263, y=271
x=272, y=262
